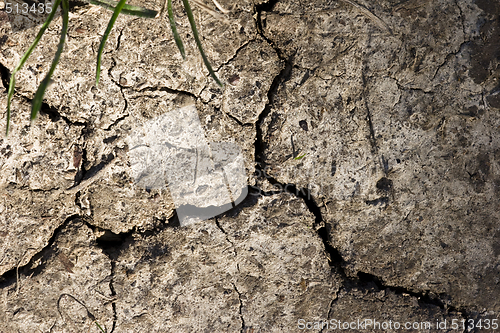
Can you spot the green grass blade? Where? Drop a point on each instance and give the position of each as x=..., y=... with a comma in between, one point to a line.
x=173, y=26
x=198, y=42
x=127, y=9
x=117, y=11
x=25, y=57
x=38, y=99
x=103, y=331
x=299, y=157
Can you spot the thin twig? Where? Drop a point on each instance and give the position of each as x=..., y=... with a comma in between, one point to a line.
x=210, y=11
x=222, y=9
x=89, y=314
x=87, y=182
x=381, y=24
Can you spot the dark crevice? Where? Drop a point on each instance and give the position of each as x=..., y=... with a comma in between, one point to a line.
x=238, y=121
x=373, y=140
x=235, y=54
x=55, y=116
x=5, y=75
x=3, y=40
x=75, y=4
x=371, y=281
x=335, y=261
x=113, y=295
x=110, y=244
x=235, y=119
x=372, y=137
x=121, y=91
x=302, y=193
x=167, y=90
x=77, y=200
x=449, y=56
x=379, y=201
x=266, y=7
x=173, y=222
x=118, y=120
x=9, y=278
x=52, y=112
x=119, y=39
x=260, y=145
x=83, y=163
x=111, y=241
x=93, y=171
x=363, y=281
x=424, y=298
x=243, y=326
x=217, y=223
x=113, y=244
x=110, y=139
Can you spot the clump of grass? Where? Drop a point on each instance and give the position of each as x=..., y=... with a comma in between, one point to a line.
x=118, y=8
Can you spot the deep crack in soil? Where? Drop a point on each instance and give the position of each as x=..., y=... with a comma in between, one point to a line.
x=362, y=281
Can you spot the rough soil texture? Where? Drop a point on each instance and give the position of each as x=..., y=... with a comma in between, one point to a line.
x=370, y=132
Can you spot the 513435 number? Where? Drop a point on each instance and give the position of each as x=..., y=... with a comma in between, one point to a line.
x=25, y=8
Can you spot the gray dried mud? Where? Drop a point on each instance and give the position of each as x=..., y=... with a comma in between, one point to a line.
x=370, y=133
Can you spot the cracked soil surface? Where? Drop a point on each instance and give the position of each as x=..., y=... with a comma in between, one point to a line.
x=370, y=132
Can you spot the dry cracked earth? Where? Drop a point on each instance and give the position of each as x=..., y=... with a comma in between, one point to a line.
x=370, y=132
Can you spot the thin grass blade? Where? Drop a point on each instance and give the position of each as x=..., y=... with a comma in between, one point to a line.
x=198, y=42
x=127, y=9
x=117, y=11
x=173, y=26
x=299, y=157
x=25, y=57
x=103, y=331
x=40, y=92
